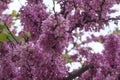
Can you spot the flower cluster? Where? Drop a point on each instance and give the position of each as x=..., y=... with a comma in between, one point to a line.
x=32, y=17
x=4, y=5
x=90, y=15
x=106, y=65
x=29, y=62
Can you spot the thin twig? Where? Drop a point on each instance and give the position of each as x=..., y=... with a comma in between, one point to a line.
x=29, y=69
x=56, y=18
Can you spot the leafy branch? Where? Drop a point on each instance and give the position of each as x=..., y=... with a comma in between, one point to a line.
x=7, y=35
x=11, y=33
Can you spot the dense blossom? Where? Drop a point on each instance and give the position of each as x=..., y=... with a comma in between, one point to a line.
x=6, y=18
x=25, y=62
x=49, y=43
x=56, y=24
x=4, y=63
x=58, y=27
x=36, y=54
x=32, y=17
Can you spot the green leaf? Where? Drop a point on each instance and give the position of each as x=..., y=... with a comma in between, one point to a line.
x=67, y=58
x=27, y=34
x=5, y=31
x=14, y=13
x=2, y=26
x=3, y=37
x=20, y=39
x=69, y=61
x=9, y=36
x=100, y=41
x=116, y=32
x=13, y=37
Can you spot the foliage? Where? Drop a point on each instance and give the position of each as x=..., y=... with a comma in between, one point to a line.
x=40, y=51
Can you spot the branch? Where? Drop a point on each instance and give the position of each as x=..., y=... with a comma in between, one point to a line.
x=93, y=20
x=113, y=19
x=63, y=9
x=79, y=72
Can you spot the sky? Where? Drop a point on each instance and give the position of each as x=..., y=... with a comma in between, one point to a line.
x=18, y=3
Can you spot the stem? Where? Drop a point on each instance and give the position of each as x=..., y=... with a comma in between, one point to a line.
x=11, y=33
x=101, y=9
